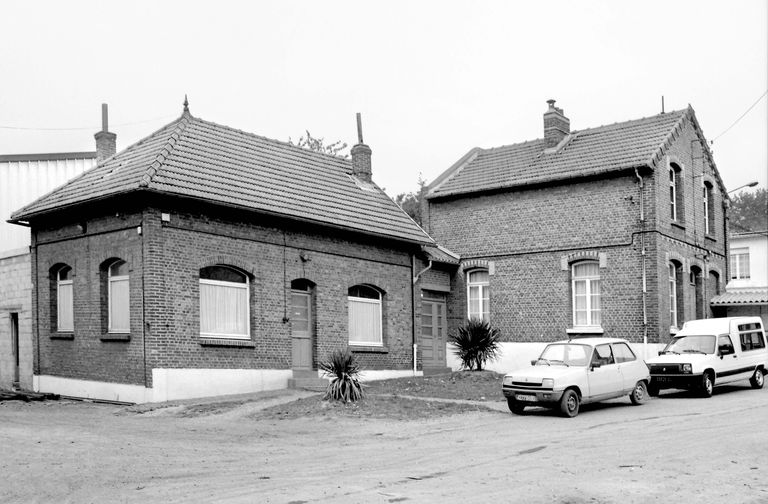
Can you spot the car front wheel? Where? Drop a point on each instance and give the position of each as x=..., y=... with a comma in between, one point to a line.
x=515, y=407
x=706, y=385
x=639, y=393
x=758, y=380
x=569, y=403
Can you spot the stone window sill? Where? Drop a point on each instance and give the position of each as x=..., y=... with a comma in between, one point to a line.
x=226, y=342
x=585, y=330
x=710, y=238
x=678, y=225
x=368, y=349
x=115, y=337
x=63, y=335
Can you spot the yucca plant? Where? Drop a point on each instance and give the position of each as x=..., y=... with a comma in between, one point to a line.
x=476, y=342
x=345, y=385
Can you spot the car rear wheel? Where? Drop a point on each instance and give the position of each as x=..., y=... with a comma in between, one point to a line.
x=515, y=407
x=706, y=385
x=639, y=393
x=569, y=403
x=758, y=380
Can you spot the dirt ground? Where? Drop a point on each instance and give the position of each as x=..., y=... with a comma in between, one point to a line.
x=673, y=448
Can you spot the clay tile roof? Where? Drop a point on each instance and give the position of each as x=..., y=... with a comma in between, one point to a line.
x=194, y=158
x=751, y=297
x=441, y=254
x=583, y=153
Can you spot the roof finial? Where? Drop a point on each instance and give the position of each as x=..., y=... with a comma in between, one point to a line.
x=359, y=129
x=186, y=103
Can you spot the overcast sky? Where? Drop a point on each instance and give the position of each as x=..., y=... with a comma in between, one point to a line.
x=431, y=79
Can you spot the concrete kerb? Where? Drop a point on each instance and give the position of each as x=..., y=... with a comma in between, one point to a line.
x=255, y=400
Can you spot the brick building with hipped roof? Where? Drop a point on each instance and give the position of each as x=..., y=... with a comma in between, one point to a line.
x=619, y=230
x=204, y=260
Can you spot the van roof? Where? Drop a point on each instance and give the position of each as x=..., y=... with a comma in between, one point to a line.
x=713, y=325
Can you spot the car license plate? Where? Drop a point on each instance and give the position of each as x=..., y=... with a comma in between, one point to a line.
x=526, y=397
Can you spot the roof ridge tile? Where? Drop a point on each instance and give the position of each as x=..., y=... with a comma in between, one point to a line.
x=165, y=150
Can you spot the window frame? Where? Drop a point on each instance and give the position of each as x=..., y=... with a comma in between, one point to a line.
x=379, y=302
x=673, y=287
x=676, y=200
x=484, y=292
x=588, y=294
x=709, y=216
x=59, y=284
x=225, y=283
x=113, y=279
x=738, y=264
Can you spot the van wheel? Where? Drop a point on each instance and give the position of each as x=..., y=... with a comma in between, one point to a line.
x=639, y=394
x=515, y=407
x=758, y=380
x=706, y=385
x=569, y=403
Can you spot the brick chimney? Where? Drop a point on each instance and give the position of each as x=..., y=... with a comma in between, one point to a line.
x=106, y=142
x=361, y=155
x=556, y=125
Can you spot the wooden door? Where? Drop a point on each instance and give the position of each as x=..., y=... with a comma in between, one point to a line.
x=15, y=346
x=301, y=329
x=433, y=333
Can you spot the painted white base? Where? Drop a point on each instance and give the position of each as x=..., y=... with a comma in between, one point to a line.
x=175, y=384
x=519, y=355
x=170, y=384
x=385, y=374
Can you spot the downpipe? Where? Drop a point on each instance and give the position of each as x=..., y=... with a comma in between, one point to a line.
x=642, y=255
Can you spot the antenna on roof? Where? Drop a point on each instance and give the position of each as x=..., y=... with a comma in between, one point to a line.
x=359, y=129
x=186, y=103
x=662, y=104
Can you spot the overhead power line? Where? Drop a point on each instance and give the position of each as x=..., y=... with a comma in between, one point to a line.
x=95, y=128
x=740, y=117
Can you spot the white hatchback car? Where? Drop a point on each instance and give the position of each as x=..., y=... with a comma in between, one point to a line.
x=578, y=371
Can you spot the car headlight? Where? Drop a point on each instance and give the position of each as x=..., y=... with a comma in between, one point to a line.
x=507, y=380
x=687, y=368
x=548, y=383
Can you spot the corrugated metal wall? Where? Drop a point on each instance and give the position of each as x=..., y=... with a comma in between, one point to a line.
x=22, y=182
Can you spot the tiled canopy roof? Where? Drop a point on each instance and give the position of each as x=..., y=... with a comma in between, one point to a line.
x=194, y=158
x=752, y=297
x=583, y=153
x=441, y=254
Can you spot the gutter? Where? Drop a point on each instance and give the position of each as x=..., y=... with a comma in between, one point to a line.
x=642, y=255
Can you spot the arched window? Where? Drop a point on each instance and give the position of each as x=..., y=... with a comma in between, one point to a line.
x=478, y=295
x=64, y=300
x=676, y=192
x=224, y=302
x=365, y=322
x=585, y=285
x=675, y=281
x=118, y=297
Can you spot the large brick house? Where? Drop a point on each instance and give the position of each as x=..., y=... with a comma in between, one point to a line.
x=205, y=260
x=619, y=230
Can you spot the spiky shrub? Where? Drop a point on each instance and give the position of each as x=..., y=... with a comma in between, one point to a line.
x=345, y=385
x=476, y=342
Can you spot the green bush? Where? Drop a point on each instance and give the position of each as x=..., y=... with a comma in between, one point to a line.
x=345, y=385
x=476, y=342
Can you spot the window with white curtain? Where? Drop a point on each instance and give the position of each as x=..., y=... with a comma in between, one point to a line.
x=118, y=298
x=365, y=324
x=740, y=264
x=224, y=303
x=64, y=298
x=478, y=295
x=585, y=284
x=674, y=287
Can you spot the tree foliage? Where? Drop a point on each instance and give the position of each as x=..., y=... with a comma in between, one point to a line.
x=411, y=202
x=476, y=342
x=318, y=145
x=749, y=211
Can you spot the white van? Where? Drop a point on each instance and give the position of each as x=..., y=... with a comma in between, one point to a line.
x=710, y=352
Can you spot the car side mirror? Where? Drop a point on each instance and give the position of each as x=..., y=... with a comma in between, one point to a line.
x=595, y=365
x=661, y=352
x=533, y=362
x=725, y=350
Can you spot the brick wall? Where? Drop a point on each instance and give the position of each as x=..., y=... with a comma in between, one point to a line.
x=15, y=298
x=165, y=260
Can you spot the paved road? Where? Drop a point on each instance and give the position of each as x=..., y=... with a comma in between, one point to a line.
x=675, y=448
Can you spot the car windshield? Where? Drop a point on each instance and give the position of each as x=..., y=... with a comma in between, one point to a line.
x=568, y=354
x=691, y=344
